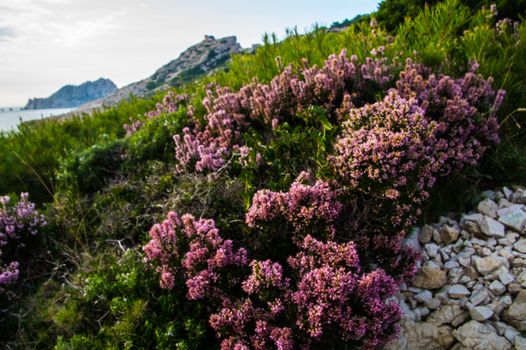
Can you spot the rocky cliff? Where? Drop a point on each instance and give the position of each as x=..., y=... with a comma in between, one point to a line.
x=71, y=96
x=196, y=61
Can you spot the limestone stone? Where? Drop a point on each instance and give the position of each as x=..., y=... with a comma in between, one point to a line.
x=431, y=250
x=491, y=227
x=505, y=276
x=497, y=288
x=445, y=314
x=522, y=279
x=479, y=296
x=422, y=336
x=458, y=291
x=449, y=234
x=423, y=296
x=426, y=233
x=430, y=278
x=480, y=336
x=520, y=245
x=516, y=313
x=480, y=313
x=515, y=219
x=487, y=265
x=520, y=343
x=488, y=207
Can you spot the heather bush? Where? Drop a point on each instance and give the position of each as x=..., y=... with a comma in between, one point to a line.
x=394, y=150
x=18, y=223
x=319, y=294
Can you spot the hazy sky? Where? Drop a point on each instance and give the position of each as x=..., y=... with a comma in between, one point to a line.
x=45, y=44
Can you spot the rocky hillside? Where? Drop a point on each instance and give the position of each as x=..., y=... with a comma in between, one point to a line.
x=71, y=96
x=196, y=61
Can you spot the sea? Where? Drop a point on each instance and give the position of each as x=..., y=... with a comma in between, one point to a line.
x=10, y=117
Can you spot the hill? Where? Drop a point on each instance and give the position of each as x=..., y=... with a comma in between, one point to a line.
x=71, y=96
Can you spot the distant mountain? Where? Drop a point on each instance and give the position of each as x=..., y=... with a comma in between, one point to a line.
x=196, y=61
x=71, y=96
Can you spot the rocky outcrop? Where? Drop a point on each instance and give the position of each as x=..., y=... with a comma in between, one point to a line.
x=470, y=291
x=196, y=61
x=71, y=96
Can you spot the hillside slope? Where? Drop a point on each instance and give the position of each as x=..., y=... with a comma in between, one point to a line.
x=196, y=61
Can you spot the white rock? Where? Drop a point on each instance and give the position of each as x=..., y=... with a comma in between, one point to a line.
x=507, y=192
x=522, y=279
x=479, y=296
x=520, y=343
x=497, y=288
x=480, y=313
x=426, y=233
x=514, y=220
x=431, y=250
x=505, y=276
x=451, y=265
x=476, y=335
x=509, y=209
x=491, y=227
x=433, y=303
x=520, y=245
x=488, y=207
x=487, y=265
x=458, y=291
x=516, y=313
x=449, y=234
x=423, y=296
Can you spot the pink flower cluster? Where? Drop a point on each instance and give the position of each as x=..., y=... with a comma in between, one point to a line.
x=16, y=221
x=397, y=148
x=171, y=103
x=326, y=292
x=211, y=142
x=194, y=249
x=306, y=205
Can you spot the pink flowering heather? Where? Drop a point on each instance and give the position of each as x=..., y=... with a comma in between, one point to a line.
x=213, y=139
x=18, y=223
x=429, y=126
x=171, y=103
x=191, y=250
x=304, y=206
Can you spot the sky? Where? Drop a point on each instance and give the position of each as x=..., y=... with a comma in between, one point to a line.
x=46, y=44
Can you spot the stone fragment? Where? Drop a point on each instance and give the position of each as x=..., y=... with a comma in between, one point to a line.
x=516, y=313
x=488, y=207
x=449, y=234
x=480, y=313
x=430, y=278
x=457, y=321
x=451, y=265
x=505, y=276
x=520, y=245
x=433, y=303
x=458, y=291
x=514, y=220
x=422, y=336
x=497, y=288
x=522, y=279
x=445, y=314
x=520, y=343
x=509, y=209
x=423, y=296
x=491, y=227
x=480, y=336
x=487, y=265
x=431, y=250
x=479, y=296
x=426, y=233
x=514, y=288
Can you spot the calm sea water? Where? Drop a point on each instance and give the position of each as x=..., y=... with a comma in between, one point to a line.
x=9, y=119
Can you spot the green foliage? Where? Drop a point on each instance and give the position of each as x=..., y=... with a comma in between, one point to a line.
x=30, y=157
